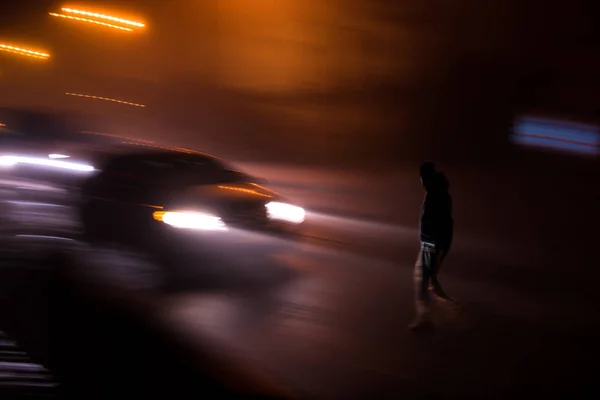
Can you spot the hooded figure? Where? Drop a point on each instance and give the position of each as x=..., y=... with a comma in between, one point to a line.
x=436, y=228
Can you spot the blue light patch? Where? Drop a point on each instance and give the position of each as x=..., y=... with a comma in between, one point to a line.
x=556, y=134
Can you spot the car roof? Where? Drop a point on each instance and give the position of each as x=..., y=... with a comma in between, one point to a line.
x=157, y=153
x=161, y=152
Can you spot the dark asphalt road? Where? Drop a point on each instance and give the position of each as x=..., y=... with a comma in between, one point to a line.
x=315, y=318
x=102, y=349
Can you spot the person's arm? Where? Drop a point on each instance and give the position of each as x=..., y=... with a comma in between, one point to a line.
x=428, y=213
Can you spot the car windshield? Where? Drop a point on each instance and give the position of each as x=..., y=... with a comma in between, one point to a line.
x=166, y=163
x=183, y=166
x=181, y=162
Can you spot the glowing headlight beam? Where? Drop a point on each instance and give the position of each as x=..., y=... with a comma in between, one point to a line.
x=102, y=16
x=285, y=212
x=89, y=96
x=91, y=21
x=24, y=52
x=190, y=220
x=14, y=160
x=55, y=156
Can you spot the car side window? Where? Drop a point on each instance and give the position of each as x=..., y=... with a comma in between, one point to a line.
x=120, y=169
x=205, y=164
x=158, y=165
x=151, y=167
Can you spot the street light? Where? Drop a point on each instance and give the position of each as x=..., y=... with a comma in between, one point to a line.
x=98, y=19
x=23, y=52
x=89, y=96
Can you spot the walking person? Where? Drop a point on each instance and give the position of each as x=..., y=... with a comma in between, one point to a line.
x=436, y=229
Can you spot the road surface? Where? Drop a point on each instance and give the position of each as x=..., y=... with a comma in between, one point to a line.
x=324, y=318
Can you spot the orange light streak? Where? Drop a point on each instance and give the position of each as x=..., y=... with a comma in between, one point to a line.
x=91, y=21
x=102, y=16
x=24, y=52
x=88, y=96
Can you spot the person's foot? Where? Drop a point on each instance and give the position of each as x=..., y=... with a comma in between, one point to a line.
x=422, y=319
x=420, y=322
x=439, y=292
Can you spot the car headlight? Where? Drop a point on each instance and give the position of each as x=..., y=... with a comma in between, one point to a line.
x=285, y=212
x=190, y=220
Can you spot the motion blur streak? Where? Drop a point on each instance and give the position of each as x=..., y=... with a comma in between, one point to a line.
x=262, y=187
x=91, y=21
x=13, y=160
x=102, y=16
x=116, y=136
x=1, y=124
x=88, y=96
x=243, y=190
x=19, y=184
x=24, y=52
x=556, y=134
x=17, y=370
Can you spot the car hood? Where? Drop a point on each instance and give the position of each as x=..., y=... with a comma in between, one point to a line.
x=231, y=192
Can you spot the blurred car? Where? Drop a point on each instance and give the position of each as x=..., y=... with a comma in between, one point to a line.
x=41, y=146
x=161, y=198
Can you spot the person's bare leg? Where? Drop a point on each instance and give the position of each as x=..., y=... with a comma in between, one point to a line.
x=435, y=286
x=422, y=277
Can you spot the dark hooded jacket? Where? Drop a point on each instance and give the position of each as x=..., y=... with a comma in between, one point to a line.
x=437, y=224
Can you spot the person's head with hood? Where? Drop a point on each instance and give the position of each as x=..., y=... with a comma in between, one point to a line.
x=428, y=174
